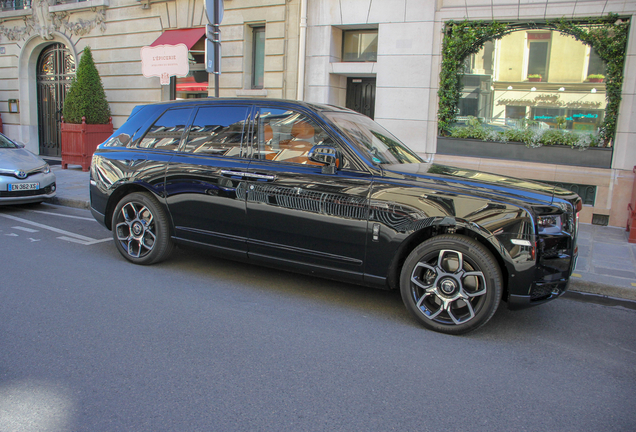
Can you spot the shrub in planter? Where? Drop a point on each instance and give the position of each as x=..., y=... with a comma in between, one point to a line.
x=534, y=78
x=86, y=120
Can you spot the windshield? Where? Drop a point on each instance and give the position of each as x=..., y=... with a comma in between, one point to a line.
x=6, y=142
x=373, y=140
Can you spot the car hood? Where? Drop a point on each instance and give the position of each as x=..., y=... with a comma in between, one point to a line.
x=477, y=182
x=12, y=159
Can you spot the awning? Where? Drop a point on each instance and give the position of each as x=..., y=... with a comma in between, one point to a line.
x=187, y=37
x=188, y=84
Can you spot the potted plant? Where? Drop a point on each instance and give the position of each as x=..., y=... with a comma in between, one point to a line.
x=534, y=78
x=86, y=120
x=595, y=78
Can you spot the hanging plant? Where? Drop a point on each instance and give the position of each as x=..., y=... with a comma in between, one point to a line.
x=607, y=35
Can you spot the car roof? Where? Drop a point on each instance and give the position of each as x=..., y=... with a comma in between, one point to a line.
x=260, y=101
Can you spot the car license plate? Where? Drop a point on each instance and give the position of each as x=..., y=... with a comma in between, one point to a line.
x=24, y=186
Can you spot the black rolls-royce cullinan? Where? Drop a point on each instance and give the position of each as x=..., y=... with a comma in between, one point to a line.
x=326, y=191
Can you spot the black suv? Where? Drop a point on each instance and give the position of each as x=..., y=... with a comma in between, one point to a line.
x=324, y=190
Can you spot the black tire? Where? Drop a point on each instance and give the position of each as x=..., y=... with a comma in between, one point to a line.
x=140, y=229
x=444, y=297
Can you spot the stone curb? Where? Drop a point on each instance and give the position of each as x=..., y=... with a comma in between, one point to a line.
x=69, y=202
x=602, y=289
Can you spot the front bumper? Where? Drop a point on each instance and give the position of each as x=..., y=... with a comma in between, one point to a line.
x=540, y=292
x=30, y=196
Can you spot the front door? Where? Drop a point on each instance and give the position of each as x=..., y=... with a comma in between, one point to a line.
x=298, y=215
x=55, y=70
x=361, y=95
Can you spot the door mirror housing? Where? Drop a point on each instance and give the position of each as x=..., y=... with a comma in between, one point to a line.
x=326, y=155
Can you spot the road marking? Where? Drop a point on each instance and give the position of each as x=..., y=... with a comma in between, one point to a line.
x=576, y=275
x=25, y=229
x=633, y=284
x=33, y=240
x=12, y=235
x=78, y=238
x=74, y=240
x=63, y=215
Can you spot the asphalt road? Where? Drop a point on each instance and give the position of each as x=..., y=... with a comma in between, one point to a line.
x=90, y=342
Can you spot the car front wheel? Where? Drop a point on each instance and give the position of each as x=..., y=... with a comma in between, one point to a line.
x=451, y=284
x=140, y=229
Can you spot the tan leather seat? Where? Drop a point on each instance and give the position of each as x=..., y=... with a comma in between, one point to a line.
x=296, y=149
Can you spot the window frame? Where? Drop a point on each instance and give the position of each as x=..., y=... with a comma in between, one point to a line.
x=359, y=32
x=256, y=31
x=137, y=142
x=245, y=151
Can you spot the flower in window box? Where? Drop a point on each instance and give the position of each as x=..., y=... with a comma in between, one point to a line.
x=595, y=78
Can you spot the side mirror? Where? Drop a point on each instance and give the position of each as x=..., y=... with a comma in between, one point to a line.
x=325, y=155
x=20, y=144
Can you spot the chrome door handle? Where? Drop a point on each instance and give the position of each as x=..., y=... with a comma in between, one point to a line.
x=233, y=173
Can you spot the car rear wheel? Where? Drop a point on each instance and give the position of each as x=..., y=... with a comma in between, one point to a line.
x=451, y=284
x=140, y=229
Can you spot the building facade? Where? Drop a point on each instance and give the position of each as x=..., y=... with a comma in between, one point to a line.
x=379, y=57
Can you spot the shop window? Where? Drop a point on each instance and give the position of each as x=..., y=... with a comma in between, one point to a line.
x=359, y=45
x=195, y=84
x=499, y=95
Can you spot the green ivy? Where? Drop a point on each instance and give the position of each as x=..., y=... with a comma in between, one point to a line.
x=86, y=97
x=461, y=40
x=607, y=35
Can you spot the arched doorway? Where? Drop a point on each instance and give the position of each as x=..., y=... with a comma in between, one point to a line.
x=55, y=70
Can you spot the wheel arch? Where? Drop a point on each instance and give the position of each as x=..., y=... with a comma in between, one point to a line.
x=444, y=226
x=122, y=191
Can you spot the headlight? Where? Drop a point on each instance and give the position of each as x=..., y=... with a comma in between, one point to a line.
x=47, y=169
x=550, y=224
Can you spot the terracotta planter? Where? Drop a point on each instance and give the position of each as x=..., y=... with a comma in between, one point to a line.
x=595, y=80
x=79, y=142
x=534, y=79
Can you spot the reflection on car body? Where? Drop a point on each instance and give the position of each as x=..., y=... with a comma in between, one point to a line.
x=326, y=191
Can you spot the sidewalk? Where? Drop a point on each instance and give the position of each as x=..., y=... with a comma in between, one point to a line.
x=606, y=265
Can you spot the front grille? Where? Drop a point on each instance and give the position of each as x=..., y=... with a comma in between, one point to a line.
x=16, y=194
x=9, y=173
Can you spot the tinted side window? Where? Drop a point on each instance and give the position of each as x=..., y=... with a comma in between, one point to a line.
x=287, y=136
x=166, y=132
x=218, y=130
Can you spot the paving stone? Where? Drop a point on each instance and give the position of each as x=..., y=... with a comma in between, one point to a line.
x=615, y=273
x=611, y=250
x=582, y=264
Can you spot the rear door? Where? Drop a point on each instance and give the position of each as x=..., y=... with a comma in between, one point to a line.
x=205, y=186
x=299, y=216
